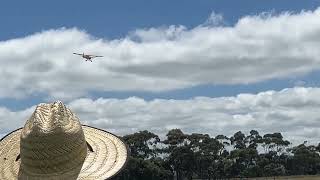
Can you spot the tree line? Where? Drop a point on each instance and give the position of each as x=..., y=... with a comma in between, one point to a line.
x=198, y=156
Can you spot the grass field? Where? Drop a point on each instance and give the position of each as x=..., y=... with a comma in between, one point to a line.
x=315, y=177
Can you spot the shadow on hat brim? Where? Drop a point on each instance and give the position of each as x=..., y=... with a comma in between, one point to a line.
x=109, y=156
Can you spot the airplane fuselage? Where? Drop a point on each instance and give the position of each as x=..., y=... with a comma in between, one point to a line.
x=86, y=56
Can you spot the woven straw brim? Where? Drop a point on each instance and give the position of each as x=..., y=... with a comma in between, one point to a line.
x=109, y=156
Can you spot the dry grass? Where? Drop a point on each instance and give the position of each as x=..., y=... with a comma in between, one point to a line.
x=315, y=177
x=310, y=177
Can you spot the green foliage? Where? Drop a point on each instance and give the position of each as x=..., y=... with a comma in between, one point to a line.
x=238, y=140
x=306, y=160
x=140, y=169
x=274, y=142
x=139, y=144
x=188, y=156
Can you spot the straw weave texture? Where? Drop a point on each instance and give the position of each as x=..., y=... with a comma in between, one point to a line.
x=54, y=145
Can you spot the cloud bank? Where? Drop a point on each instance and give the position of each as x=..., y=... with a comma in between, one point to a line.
x=255, y=49
x=293, y=112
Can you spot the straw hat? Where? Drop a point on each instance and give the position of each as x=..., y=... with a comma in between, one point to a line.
x=54, y=145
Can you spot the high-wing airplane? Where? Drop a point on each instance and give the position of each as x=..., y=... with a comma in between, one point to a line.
x=87, y=56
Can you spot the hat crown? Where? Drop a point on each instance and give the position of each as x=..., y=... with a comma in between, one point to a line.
x=49, y=118
x=52, y=136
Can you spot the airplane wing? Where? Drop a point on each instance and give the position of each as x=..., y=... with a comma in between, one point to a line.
x=77, y=54
x=93, y=56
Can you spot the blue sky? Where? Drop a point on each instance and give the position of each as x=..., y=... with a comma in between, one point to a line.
x=115, y=19
x=171, y=53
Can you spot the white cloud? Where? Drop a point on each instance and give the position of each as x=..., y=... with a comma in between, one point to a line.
x=255, y=49
x=11, y=120
x=214, y=20
x=293, y=112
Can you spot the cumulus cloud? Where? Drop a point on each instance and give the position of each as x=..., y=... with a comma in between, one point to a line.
x=293, y=112
x=214, y=20
x=11, y=120
x=254, y=49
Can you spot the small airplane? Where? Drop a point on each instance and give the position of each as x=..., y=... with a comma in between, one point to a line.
x=87, y=56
